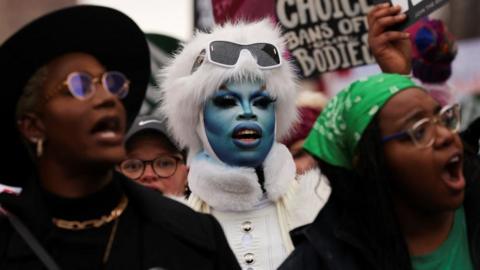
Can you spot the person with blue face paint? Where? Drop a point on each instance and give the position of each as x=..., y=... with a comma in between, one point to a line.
x=240, y=119
x=229, y=97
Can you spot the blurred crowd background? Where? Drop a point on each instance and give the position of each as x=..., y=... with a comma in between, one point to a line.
x=169, y=22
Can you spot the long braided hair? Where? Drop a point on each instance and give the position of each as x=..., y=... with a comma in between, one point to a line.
x=366, y=197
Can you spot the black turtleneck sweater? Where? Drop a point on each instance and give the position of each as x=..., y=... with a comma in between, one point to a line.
x=81, y=249
x=152, y=233
x=66, y=246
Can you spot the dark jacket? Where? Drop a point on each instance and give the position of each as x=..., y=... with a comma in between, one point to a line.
x=158, y=233
x=330, y=241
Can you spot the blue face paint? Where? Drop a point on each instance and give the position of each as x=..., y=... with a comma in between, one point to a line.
x=240, y=123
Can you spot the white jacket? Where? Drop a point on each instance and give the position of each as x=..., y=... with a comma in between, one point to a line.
x=257, y=224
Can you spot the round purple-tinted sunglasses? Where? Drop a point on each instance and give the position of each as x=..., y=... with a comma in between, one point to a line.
x=82, y=85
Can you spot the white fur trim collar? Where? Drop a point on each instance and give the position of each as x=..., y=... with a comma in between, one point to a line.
x=228, y=188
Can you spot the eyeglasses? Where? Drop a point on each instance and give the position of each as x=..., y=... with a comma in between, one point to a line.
x=163, y=166
x=82, y=85
x=226, y=54
x=423, y=133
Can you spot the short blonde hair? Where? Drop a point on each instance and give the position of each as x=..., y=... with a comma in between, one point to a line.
x=29, y=101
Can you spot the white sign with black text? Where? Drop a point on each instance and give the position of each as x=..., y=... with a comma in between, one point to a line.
x=325, y=35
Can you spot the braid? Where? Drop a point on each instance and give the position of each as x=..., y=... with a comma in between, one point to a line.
x=366, y=196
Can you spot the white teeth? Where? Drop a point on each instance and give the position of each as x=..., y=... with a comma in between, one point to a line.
x=107, y=134
x=247, y=132
x=454, y=159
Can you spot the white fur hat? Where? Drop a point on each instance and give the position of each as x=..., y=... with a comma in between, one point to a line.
x=185, y=93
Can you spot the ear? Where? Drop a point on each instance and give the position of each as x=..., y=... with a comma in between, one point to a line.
x=31, y=127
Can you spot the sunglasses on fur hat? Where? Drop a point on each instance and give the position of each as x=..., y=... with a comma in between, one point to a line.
x=226, y=54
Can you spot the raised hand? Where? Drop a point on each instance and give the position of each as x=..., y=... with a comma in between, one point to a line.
x=391, y=49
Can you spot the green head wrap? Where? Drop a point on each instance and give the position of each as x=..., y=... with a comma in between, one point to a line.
x=338, y=129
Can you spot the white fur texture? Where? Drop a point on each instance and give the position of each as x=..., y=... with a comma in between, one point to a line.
x=185, y=94
x=229, y=188
x=280, y=170
x=308, y=197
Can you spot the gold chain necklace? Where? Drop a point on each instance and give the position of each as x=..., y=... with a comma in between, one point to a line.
x=92, y=223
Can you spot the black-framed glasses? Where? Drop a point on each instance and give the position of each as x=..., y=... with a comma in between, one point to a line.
x=82, y=85
x=423, y=133
x=163, y=166
x=226, y=53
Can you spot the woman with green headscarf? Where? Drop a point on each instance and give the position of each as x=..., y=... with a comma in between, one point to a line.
x=394, y=160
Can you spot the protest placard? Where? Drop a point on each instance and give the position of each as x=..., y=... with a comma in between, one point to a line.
x=325, y=35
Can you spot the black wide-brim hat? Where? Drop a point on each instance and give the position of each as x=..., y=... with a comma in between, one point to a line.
x=107, y=34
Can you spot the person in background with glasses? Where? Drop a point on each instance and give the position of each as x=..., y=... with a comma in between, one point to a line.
x=405, y=189
x=74, y=81
x=153, y=159
x=229, y=97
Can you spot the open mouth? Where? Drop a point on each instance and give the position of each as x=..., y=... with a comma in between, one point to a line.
x=108, y=129
x=247, y=136
x=452, y=173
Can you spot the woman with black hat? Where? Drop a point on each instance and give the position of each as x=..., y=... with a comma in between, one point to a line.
x=73, y=81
